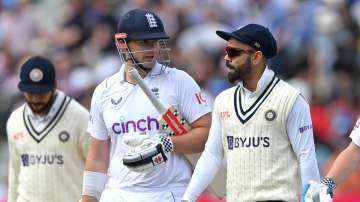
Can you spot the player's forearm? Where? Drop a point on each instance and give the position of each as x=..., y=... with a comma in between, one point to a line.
x=308, y=167
x=98, y=156
x=193, y=141
x=96, y=166
x=345, y=164
x=205, y=171
x=96, y=162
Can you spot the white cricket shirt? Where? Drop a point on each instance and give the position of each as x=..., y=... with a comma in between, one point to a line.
x=119, y=108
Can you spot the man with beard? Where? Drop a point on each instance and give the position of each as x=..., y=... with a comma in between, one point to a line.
x=262, y=126
x=47, y=139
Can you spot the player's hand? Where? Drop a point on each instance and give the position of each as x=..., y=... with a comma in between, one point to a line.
x=317, y=192
x=145, y=152
x=88, y=199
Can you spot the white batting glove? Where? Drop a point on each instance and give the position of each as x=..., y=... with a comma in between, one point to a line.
x=146, y=152
x=318, y=191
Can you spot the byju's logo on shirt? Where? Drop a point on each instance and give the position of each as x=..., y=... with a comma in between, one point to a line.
x=41, y=159
x=245, y=142
x=305, y=128
x=140, y=125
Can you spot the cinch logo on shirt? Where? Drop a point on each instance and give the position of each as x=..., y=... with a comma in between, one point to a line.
x=140, y=125
x=236, y=142
x=40, y=159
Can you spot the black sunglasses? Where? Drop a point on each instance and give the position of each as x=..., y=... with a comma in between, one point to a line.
x=234, y=52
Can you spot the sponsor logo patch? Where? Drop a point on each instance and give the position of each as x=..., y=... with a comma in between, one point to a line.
x=115, y=101
x=225, y=115
x=305, y=128
x=41, y=159
x=18, y=136
x=141, y=125
x=200, y=97
x=157, y=159
x=246, y=142
x=230, y=140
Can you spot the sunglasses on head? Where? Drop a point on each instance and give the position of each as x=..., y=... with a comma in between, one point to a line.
x=234, y=52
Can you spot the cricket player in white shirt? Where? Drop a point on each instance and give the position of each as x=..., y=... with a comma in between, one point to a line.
x=120, y=110
x=346, y=163
x=262, y=126
x=47, y=138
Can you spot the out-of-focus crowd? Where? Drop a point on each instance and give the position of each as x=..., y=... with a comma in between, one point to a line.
x=318, y=52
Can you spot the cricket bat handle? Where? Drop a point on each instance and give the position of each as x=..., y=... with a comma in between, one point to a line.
x=172, y=121
x=167, y=118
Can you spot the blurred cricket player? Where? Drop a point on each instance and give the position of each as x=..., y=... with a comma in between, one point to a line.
x=262, y=126
x=47, y=139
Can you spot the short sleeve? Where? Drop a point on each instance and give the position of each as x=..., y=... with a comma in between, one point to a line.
x=192, y=101
x=96, y=126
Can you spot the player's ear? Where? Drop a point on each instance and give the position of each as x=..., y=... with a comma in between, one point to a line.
x=257, y=57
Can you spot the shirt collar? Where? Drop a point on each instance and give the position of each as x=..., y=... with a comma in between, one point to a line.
x=265, y=79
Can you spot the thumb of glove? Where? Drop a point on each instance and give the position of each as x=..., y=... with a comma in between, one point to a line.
x=135, y=139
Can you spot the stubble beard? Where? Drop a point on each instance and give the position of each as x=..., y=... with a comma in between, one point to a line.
x=42, y=108
x=238, y=73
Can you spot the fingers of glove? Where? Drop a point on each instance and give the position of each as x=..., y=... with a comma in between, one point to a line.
x=135, y=139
